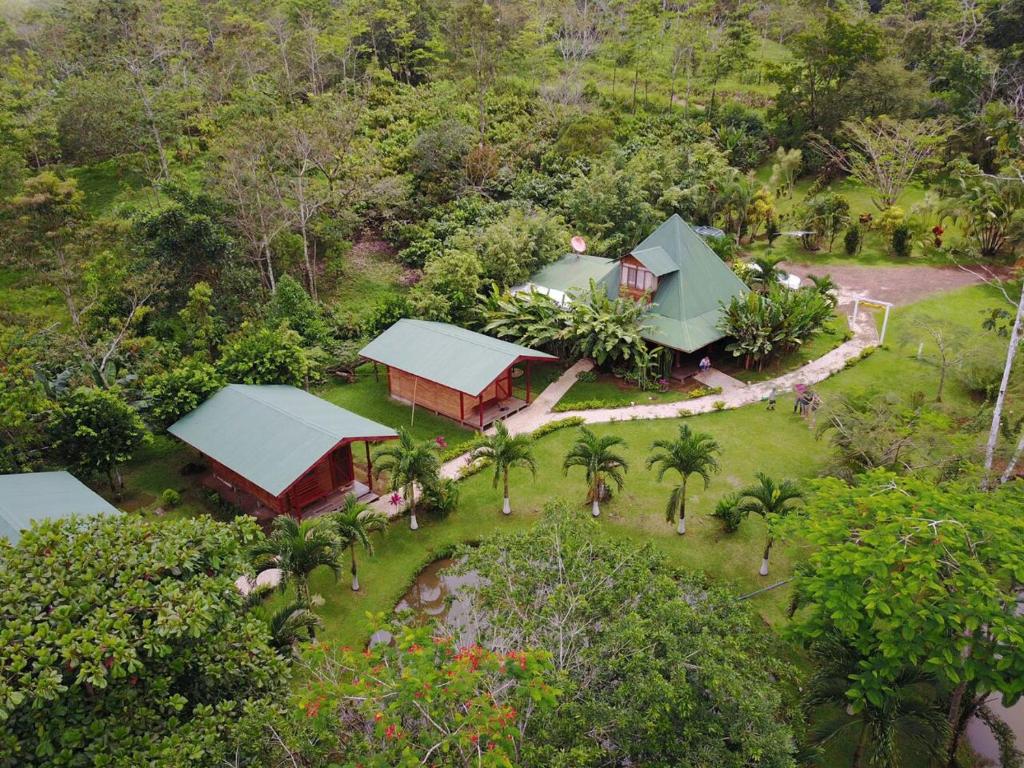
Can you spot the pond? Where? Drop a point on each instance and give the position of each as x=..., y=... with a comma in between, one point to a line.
x=434, y=595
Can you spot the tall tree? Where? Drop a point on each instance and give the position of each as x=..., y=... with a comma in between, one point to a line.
x=692, y=453
x=599, y=462
x=772, y=501
x=94, y=432
x=504, y=452
x=354, y=523
x=886, y=545
x=886, y=154
x=407, y=463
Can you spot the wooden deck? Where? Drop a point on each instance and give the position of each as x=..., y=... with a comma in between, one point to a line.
x=494, y=412
x=250, y=505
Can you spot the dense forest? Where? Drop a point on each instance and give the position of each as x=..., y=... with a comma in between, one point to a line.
x=202, y=192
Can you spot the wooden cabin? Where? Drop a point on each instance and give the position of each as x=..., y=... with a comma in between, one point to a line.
x=277, y=450
x=466, y=376
x=35, y=496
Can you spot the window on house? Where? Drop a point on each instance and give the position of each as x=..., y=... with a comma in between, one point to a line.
x=638, y=278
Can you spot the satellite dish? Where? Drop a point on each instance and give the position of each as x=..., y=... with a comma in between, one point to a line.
x=578, y=244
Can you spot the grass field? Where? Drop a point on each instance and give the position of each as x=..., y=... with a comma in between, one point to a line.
x=752, y=440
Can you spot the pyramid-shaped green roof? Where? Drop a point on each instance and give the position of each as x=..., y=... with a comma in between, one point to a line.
x=693, y=283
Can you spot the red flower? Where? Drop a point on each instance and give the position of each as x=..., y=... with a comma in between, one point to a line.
x=396, y=499
x=441, y=442
x=379, y=716
x=391, y=732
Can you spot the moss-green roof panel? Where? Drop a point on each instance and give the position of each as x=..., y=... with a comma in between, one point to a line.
x=25, y=498
x=693, y=294
x=574, y=271
x=271, y=434
x=656, y=259
x=462, y=360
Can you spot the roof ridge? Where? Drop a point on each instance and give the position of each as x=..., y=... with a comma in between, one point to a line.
x=442, y=328
x=246, y=393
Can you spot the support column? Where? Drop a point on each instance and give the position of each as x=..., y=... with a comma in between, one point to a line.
x=527, y=374
x=480, y=398
x=462, y=407
x=369, y=467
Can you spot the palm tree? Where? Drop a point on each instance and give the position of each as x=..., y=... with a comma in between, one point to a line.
x=599, y=461
x=827, y=287
x=298, y=549
x=407, y=463
x=909, y=720
x=772, y=501
x=354, y=523
x=290, y=624
x=764, y=273
x=505, y=451
x=692, y=453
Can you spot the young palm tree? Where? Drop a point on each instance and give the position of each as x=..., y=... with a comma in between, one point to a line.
x=298, y=549
x=354, y=523
x=692, y=453
x=407, y=463
x=599, y=461
x=505, y=452
x=772, y=501
x=290, y=624
x=765, y=274
x=908, y=721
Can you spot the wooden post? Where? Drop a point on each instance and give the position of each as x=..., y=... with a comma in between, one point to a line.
x=462, y=407
x=415, y=381
x=480, y=397
x=527, y=382
x=369, y=467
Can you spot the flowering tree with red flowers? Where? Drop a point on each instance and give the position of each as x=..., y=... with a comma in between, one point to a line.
x=420, y=700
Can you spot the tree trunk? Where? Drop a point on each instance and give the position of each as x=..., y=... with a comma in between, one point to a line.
x=506, y=507
x=862, y=740
x=959, y=714
x=355, y=575
x=764, y=558
x=997, y=414
x=681, y=528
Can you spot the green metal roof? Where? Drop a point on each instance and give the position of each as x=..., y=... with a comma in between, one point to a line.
x=687, y=304
x=271, y=434
x=44, y=496
x=463, y=360
x=574, y=271
x=656, y=259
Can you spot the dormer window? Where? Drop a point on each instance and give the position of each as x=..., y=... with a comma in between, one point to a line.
x=638, y=279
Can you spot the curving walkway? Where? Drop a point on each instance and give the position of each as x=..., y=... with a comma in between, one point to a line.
x=734, y=394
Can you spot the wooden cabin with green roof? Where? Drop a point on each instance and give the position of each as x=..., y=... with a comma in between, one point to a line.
x=277, y=450
x=35, y=496
x=673, y=270
x=466, y=376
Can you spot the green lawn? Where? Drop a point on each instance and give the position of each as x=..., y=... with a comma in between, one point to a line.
x=752, y=439
x=368, y=396
x=612, y=392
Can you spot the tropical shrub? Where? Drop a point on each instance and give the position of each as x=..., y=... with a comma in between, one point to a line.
x=730, y=511
x=901, y=240
x=764, y=326
x=853, y=240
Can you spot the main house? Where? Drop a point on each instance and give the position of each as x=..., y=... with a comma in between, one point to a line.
x=673, y=269
x=35, y=496
x=461, y=374
x=277, y=450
